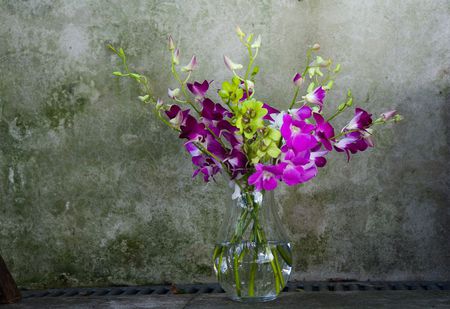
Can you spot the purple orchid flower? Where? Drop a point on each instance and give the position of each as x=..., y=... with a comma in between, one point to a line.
x=297, y=167
x=192, y=130
x=192, y=149
x=214, y=147
x=265, y=177
x=361, y=121
x=297, y=135
x=319, y=158
x=388, y=115
x=354, y=142
x=236, y=162
x=197, y=89
x=316, y=97
x=271, y=112
x=207, y=165
x=208, y=168
x=196, y=154
x=297, y=80
x=191, y=66
x=301, y=113
x=296, y=174
x=324, y=131
x=176, y=115
x=235, y=140
x=214, y=111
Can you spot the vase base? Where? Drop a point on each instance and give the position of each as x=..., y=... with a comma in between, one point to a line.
x=260, y=299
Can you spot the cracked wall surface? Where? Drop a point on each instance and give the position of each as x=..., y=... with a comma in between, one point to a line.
x=95, y=191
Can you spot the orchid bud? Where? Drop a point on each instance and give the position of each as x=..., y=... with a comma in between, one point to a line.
x=143, y=98
x=173, y=93
x=316, y=47
x=329, y=86
x=326, y=63
x=398, y=118
x=231, y=65
x=159, y=103
x=257, y=42
x=297, y=80
x=388, y=115
x=239, y=32
x=192, y=65
x=322, y=63
x=337, y=69
x=171, y=43
x=176, y=56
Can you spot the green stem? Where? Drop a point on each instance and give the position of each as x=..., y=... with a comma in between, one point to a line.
x=218, y=250
x=343, y=133
x=249, y=66
x=334, y=116
x=183, y=83
x=253, y=266
x=294, y=98
x=308, y=59
x=275, y=273
x=236, y=275
x=277, y=264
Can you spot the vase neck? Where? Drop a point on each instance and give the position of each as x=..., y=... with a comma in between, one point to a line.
x=249, y=200
x=252, y=216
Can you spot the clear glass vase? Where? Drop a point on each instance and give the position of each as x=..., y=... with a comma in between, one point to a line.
x=252, y=257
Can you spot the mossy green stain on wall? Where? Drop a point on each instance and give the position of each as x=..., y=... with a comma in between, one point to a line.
x=311, y=250
x=61, y=107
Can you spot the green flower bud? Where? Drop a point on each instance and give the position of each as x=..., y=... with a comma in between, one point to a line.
x=224, y=94
x=337, y=69
x=171, y=43
x=329, y=85
x=143, y=98
x=239, y=32
x=257, y=42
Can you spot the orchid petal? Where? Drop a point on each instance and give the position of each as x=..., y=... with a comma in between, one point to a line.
x=297, y=80
x=191, y=66
x=231, y=65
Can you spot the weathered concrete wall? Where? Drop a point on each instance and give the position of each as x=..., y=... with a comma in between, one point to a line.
x=94, y=190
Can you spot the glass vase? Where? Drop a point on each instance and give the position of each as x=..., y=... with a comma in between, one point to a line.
x=252, y=257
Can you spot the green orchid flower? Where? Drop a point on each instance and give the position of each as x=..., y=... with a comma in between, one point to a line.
x=265, y=146
x=231, y=92
x=249, y=117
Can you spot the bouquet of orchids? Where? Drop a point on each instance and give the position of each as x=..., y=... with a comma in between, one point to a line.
x=256, y=144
